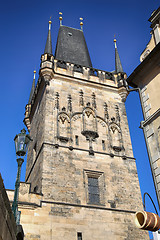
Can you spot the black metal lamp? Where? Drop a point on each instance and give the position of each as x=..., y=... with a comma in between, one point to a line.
x=21, y=144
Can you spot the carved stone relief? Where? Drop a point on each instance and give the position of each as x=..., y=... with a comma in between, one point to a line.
x=88, y=122
x=115, y=134
x=90, y=130
x=94, y=100
x=106, y=114
x=69, y=103
x=57, y=100
x=81, y=101
x=63, y=127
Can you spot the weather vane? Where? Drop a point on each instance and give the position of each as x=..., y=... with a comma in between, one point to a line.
x=81, y=23
x=60, y=18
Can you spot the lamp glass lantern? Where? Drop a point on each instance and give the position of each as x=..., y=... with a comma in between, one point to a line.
x=21, y=143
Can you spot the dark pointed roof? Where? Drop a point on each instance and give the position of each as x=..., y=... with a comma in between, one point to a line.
x=71, y=47
x=32, y=91
x=118, y=65
x=48, y=47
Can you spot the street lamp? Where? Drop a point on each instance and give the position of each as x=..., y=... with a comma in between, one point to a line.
x=21, y=144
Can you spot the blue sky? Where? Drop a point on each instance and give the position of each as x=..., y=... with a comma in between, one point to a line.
x=24, y=27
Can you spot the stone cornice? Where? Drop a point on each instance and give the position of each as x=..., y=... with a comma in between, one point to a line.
x=98, y=207
x=152, y=60
x=151, y=118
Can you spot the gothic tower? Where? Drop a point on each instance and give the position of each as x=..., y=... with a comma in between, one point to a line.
x=81, y=179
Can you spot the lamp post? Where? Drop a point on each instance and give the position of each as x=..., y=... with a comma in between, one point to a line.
x=21, y=144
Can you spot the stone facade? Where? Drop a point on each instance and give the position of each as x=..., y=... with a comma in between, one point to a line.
x=8, y=228
x=81, y=177
x=155, y=34
x=147, y=78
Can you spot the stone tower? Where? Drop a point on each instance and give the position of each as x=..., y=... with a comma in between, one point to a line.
x=81, y=178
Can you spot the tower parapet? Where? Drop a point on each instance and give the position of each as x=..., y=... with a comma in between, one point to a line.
x=53, y=67
x=47, y=59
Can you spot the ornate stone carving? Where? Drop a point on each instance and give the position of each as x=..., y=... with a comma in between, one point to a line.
x=106, y=114
x=69, y=103
x=57, y=100
x=81, y=101
x=89, y=127
x=117, y=113
x=123, y=93
x=63, y=118
x=63, y=109
x=93, y=100
x=88, y=104
x=116, y=137
x=26, y=119
x=88, y=121
x=63, y=127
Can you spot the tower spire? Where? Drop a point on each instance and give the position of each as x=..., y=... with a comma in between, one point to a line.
x=33, y=88
x=118, y=65
x=48, y=47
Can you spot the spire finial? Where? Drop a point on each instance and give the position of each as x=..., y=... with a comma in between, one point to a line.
x=50, y=22
x=60, y=18
x=115, y=42
x=34, y=76
x=81, y=23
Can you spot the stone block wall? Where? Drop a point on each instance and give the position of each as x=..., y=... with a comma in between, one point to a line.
x=80, y=134
x=8, y=228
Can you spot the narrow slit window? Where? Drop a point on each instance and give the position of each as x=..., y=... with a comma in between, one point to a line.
x=79, y=236
x=103, y=145
x=93, y=190
x=77, y=140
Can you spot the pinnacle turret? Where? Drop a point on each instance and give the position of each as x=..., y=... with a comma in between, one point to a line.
x=33, y=88
x=48, y=47
x=118, y=65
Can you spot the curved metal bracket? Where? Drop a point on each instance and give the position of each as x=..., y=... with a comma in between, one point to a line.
x=144, y=203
